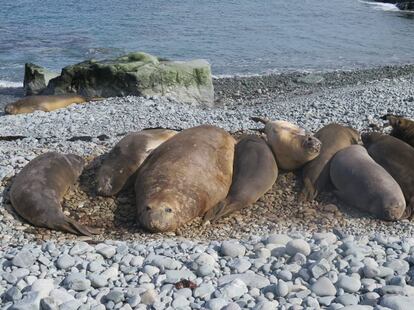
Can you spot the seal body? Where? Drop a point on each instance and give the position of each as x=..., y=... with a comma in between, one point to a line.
x=37, y=191
x=42, y=103
x=334, y=137
x=184, y=177
x=402, y=128
x=126, y=157
x=362, y=183
x=397, y=157
x=254, y=173
x=292, y=146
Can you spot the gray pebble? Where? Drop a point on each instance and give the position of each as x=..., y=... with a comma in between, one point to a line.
x=323, y=287
x=232, y=249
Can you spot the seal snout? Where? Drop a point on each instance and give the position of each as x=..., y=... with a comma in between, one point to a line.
x=395, y=212
x=159, y=219
x=9, y=109
x=312, y=144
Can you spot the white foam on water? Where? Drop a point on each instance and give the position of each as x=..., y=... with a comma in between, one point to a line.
x=382, y=6
x=10, y=84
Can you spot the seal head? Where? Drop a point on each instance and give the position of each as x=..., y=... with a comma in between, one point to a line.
x=292, y=146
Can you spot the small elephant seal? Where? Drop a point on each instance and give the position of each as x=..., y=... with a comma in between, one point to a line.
x=126, y=157
x=38, y=189
x=292, y=146
x=254, y=173
x=364, y=184
x=184, y=177
x=402, y=128
x=42, y=103
x=397, y=157
x=334, y=137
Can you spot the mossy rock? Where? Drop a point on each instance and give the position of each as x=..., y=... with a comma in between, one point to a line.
x=138, y=74
x=36, y=78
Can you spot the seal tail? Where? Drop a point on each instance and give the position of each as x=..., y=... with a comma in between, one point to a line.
x=258, y=119
x=223, y=209
x=261, y=130
x=72, y=226
x=391, y=118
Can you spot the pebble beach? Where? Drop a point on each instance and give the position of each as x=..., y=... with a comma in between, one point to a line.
x=279, y=253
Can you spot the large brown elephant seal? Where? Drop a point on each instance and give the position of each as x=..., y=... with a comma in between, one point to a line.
x=42, y=103
x=334, y=137
x=126, y=157
x=184, y=177
x=402, y=128
x=397, y=157
x=364, y=184
x=292, y=146
x=37, y=191
x=254, y=173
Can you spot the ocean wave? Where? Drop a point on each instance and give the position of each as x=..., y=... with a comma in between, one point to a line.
x=10, y=84
x=382, y=6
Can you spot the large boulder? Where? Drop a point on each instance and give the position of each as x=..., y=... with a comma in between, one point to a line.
x=36, y=79
x=138, y=74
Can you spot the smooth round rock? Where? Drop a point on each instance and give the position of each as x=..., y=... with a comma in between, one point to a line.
x=298, y=246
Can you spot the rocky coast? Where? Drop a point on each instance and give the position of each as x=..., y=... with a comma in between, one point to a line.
x=278, y=254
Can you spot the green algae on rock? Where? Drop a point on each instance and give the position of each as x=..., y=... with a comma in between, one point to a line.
x=138, y=74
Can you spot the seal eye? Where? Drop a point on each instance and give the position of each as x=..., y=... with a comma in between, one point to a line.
x=169, y=210
x=147, y=208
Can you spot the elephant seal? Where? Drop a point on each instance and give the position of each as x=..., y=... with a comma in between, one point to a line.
x=334, y=137
x=402, y=128
x=184, y=177
x=362, y=183
x=38, y=189
x=397, y=157
x=42, y=103
x=126, y=157
x=292, y=146
x=254, y=173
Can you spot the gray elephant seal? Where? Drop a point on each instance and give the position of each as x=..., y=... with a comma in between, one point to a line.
x=402, y=128
x=254, y=173
x=334, y=137
x=397, y=157
x=38, y=189
x=292, y=146
x=184, y=178
x=42, y=103
x=126, y=157
x=364, y=184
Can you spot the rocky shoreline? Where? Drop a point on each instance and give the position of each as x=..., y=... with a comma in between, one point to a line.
x=60, y=268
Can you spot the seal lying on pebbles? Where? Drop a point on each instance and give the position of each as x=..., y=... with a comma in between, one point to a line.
x=397, y=157
x=334, y=137
x=38, y=189
x=362, y=183
x=292, y=146
x=42, y=103
x=402, y=128
x=184, y=177
x=126, y=157
x=254, y=173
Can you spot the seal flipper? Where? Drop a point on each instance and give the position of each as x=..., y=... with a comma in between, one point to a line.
x=257, y=119
x=309, y=191
x=223, y=209
x=72, y=226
